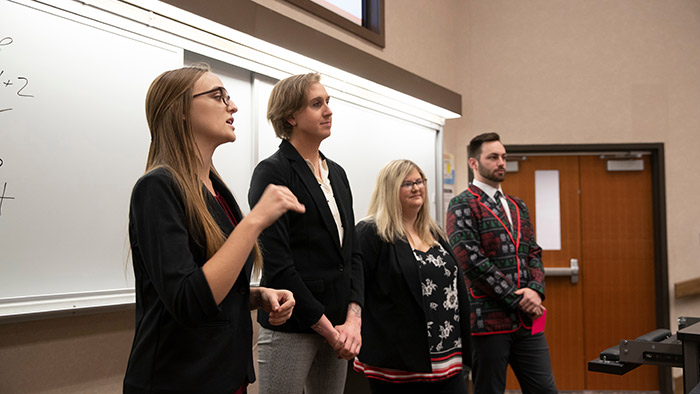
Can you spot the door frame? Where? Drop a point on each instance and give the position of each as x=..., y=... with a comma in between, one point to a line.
x=658, y=190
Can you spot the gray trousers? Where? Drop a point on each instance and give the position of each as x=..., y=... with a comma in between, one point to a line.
x=292, y=363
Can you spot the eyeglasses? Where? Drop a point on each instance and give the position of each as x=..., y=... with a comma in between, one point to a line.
x=409, y=185
x=224, y=97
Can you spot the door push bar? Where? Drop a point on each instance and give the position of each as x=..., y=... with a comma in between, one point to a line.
x=572, y=271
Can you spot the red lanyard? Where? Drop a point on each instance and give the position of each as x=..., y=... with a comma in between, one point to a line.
x=516, y=242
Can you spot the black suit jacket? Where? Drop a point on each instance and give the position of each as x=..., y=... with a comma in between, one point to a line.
x=183, y=342
x=394, y=333
x=302, y=252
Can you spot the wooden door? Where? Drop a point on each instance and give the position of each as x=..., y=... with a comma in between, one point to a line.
x=563, y=300
x=606, y=224
x=618, y=253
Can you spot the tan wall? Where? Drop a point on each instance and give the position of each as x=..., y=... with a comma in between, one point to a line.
x=587, y=72
x=73, y=355
x=538, y=72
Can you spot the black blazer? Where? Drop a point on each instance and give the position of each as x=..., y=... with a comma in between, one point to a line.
x=393, y=320
x=183, y=342
x=302, y=252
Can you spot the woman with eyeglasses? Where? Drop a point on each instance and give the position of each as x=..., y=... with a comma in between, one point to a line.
x=415, y=323
x=315, y=255
x=192, y=250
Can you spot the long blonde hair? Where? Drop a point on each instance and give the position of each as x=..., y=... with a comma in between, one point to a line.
x=385, y=207
x=173, y=147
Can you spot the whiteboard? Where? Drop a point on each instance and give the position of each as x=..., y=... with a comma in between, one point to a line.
x=74, y=140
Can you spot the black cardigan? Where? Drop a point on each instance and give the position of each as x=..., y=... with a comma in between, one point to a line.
x=302, y=252
x=394, y=331
x=183, y=342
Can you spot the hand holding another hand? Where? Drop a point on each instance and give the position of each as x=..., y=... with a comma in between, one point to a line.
x=531, y=303
x=350, y=340
x=350, y=333
x=325, y=329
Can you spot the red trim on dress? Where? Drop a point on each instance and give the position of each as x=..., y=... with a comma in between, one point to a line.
x=452, y=368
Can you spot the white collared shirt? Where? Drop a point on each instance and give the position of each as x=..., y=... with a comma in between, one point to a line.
x=491, y=192
x=325, y=184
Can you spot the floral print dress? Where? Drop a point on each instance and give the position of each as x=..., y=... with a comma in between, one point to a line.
x=439, y=275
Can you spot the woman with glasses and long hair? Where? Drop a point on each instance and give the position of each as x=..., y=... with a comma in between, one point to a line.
x=193, y=251
x=415, y=323
x=315, y=255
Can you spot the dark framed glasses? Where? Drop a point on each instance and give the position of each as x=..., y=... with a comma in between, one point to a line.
x=409, y=184
x=221, y=96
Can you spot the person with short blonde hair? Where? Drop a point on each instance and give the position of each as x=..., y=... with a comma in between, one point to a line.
x=415, y=321
x=286, y=98
x=315, y=255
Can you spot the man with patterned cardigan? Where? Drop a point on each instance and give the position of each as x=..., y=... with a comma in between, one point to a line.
x=494, y=241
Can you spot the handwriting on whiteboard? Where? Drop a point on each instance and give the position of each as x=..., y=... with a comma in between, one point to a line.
x=4, y=197
x=7, y=83
x=11, y=86
x=3, y=194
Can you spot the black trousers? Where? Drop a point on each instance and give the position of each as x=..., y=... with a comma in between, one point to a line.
x=453, y=385
x=527, y=354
